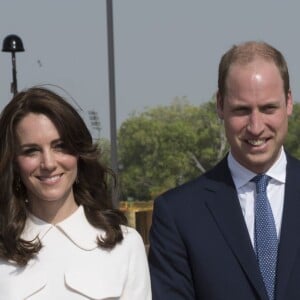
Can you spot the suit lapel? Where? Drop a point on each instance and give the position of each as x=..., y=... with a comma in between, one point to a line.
x=290, y=228
x=226, y=210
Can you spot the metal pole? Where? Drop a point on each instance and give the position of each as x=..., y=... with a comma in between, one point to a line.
x=112, y=95
x=14, y=85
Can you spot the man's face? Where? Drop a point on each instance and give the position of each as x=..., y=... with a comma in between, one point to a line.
x=255, y=111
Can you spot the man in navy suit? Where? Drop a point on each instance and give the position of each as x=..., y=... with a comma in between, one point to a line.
x=202, y=239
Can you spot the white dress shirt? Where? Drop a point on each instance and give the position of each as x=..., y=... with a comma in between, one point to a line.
x=246, y=190
x=71, y=266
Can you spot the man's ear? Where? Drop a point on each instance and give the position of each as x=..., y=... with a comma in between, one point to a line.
x=289, y=103
x=220, y=105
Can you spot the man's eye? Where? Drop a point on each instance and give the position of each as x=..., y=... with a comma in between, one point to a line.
x=241, y=111
x=269, y=109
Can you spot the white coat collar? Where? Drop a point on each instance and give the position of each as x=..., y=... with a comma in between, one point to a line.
x=75, y=227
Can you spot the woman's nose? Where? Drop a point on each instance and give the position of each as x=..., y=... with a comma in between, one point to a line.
x=48, y=160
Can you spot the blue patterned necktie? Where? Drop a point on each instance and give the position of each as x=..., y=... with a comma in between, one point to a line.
x=266, y=243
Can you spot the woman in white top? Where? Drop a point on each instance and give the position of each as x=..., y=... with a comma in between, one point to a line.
x=60, y=237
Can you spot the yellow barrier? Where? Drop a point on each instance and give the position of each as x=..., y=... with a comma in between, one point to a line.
x=139, y=215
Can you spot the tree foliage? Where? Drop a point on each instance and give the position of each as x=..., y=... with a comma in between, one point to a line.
x=168, y=145
x=292, y=142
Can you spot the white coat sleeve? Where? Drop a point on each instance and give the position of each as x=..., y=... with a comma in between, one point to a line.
x=137, y=286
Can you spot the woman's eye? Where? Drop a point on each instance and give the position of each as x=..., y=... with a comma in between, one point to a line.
x=29, y=151
x=60, y=146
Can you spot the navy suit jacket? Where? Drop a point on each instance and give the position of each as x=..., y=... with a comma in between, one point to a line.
x=200, y=247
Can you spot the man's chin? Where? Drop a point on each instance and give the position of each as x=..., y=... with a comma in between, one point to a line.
x=259, y=162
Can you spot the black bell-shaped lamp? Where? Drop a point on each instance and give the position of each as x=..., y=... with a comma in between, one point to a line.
x=12, y=43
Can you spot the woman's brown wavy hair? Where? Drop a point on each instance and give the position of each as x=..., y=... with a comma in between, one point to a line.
x=91, y=191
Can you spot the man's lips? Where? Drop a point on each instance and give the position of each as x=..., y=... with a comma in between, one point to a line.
x=256, y=142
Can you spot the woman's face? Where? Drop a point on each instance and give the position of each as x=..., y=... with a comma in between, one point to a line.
x=46, y=168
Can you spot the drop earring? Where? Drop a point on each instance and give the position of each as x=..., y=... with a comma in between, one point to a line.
x=18, y=184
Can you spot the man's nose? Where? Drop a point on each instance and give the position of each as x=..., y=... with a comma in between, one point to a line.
x=255, y=123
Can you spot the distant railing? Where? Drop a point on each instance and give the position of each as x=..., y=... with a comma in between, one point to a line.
x=139, y=215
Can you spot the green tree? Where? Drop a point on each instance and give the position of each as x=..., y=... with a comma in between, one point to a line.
x=105, y=157
x=168, y=145
x=292, y=142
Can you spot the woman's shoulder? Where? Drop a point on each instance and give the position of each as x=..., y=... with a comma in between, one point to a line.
x=131, y=236
x=130, y=232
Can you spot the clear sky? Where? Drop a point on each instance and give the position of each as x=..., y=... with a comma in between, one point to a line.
x=163, y=48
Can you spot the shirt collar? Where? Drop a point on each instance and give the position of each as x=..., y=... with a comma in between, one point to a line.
x=75, y=227
x=242, y=176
